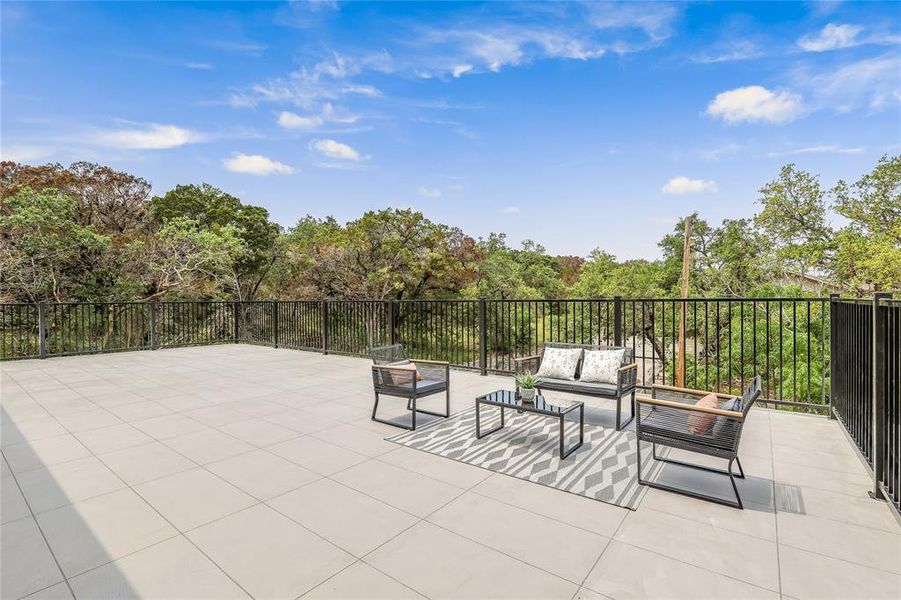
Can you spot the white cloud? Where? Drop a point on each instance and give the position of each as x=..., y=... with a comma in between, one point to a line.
x=831, y=37
x=255, y=164
x=290, y=120
x=510, y=210
x=461, y=70
x=428, y=192
x=333, y=149
x=821, y=149
x=756, y=103
x=151, y=137
x=198, y=66
x=684, y=185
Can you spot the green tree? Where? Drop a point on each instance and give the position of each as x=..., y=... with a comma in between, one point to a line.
x=211, y=208
x=42, y=245
x=869, y=247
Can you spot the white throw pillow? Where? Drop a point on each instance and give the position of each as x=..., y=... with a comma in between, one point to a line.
x=559, y=363
x=601, y=366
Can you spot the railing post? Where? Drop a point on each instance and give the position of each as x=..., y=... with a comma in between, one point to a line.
x=617, y=321
x=483, y=336
x=153, y=342
x=392, y=321
x=325, y=326
x=879, y=371
x=274, y=322
x=833, y=313
x=42, y=331
x=236, y=316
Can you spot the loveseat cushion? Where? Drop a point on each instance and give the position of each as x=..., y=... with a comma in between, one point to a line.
x=578, y=387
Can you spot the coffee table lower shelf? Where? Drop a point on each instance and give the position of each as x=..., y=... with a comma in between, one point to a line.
x=507, y=399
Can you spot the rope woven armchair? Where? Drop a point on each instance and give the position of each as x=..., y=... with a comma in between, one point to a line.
x=394, y=374
x=670, y=417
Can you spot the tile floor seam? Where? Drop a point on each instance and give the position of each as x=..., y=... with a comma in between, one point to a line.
x=134, y=491
x=552, y=518
x=716, y=527
x=896, y=529
x=843, y=560
x=604, y=551
x=775, y=509
x=43, y=537
x=679, y=560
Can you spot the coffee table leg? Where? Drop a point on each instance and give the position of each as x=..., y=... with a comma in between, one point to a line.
x=564, y=453
x=479, y=434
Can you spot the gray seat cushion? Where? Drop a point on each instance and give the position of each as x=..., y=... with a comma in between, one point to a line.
x=579, y=387
x=423, y=387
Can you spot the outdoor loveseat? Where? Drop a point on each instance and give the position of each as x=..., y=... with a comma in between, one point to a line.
x=623, y=382
x=675, y=417
x=393, y=374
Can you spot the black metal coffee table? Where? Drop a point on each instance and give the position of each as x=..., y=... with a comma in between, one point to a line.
x=505, y=399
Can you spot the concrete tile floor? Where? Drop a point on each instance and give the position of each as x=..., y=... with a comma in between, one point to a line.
x=235, y=471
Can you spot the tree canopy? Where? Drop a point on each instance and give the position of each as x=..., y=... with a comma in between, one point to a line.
x=89, y=232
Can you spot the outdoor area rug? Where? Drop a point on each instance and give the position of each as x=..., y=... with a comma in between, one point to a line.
x=603, y=469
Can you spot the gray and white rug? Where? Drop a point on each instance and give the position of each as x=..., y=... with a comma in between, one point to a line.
x=604, y=468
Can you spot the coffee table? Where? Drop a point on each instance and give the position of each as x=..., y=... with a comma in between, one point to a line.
x=508, y=399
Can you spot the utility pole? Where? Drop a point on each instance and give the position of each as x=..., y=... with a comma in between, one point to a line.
x=686, y=260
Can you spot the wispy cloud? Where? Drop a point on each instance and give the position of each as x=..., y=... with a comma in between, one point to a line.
x=731, y=52
x=151, y=136
x=831, y=37
x=871, y=82
x=428, y=192
x=755, y=103
x=820, y=149
x=23, y=153
x=685, y=185
x=309, y=86
x=198, y=66
x=510, y=210
x=256, y=164
x=239, y=46
x=335, y=149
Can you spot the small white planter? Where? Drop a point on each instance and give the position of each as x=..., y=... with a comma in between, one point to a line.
x=527, y=395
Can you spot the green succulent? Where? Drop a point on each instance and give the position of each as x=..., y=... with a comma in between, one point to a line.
x=527, y=380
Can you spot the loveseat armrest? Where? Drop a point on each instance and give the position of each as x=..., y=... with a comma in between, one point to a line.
x=626, y=378
x=526, y=363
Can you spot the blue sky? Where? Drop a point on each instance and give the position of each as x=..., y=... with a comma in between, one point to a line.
x=576, y=125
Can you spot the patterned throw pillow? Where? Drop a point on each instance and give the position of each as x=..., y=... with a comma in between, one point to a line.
x=602, y=366
x=559, y=363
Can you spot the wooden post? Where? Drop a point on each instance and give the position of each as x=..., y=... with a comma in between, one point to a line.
x=686, y=260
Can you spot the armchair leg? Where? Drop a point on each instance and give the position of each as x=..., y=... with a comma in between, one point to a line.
x=619, y=407
x=737, y=503
x=375, y=408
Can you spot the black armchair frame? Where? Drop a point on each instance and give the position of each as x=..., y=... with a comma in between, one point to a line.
x=662, y=420
x=390, y=364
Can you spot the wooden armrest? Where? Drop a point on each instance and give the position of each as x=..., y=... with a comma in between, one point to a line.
x=629, y=367
x=672, y=388
x=525, y=358
x=692, y=407
x=430, y=362
x=395, y=367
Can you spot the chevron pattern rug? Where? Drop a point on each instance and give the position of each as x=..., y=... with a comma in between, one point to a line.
x=603, y=469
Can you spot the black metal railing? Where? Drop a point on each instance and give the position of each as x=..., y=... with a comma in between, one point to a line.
x=866, y=365
x=728, y=341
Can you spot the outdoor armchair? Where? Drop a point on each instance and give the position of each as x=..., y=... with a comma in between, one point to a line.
x=394, y=374
x=670, y=417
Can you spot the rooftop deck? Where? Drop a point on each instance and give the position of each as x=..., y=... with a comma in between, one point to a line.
x=236, y=470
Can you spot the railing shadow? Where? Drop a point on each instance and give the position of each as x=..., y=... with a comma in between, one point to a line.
x=88, y=544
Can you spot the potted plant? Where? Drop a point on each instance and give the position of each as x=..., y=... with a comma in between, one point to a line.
x=527, y=382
